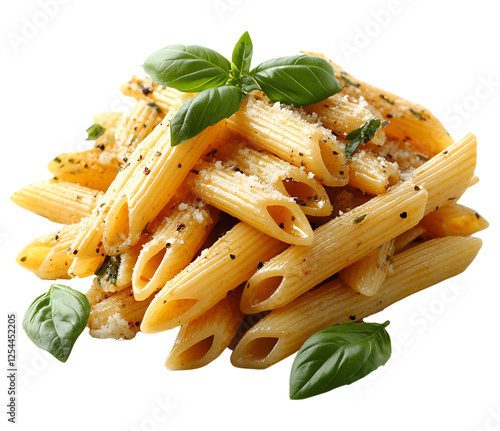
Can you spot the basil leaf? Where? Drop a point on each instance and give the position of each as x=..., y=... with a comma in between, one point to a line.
x=55, y=319
x=337, y=356
x=248, y=84
x=94, y=131
x=299, y=80
x=189, y=68
x=242, y=53
x=205, y=109
x=361, y=136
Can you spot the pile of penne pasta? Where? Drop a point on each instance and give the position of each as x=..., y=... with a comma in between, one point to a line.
x=259, y=231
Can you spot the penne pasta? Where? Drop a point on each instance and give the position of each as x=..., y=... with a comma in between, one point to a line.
x=252, y=201
x=286, y=178
x=224, y=266
x=284, y=330
x=164, y=98
x=119, y=316
x=172, y=245
x=367, y=275
x=454, y=219
x=289, y=135
x=58, y=201
x=203, y=339
x=337, y=244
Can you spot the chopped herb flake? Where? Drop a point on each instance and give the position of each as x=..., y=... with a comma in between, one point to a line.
x=359, y=219
x=94, y=132
x=417, y=114
x=361, y=136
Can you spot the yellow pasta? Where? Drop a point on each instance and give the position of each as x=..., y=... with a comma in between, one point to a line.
x=119, y=316
x=133, y=127
x=224, y=266
x=203, y=339
x=252, y=201
x=284, y=177
x=336, y=244
x=164, y=98
x=454, y=219
x=59, y=201
x=284, y=330
x=172, y=245
x=342, y=115
x=367, y=275
x=289, y=135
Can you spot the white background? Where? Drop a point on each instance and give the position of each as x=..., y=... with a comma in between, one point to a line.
x=60, y=69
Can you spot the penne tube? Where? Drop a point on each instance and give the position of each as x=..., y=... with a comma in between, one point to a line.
x=407, y=121
x=203, y=339
x=224, y=266
x=283, y=331
x=58, y=201
x=119, y=316
x=150, y=187
x=290, y=136
x=284, y=177
x=337, y=244
x=172, y=246
x=47, y=257
x=367, y=274
x=251, y=201
x=454, y=219
x=165, y=98
x=448, y=174
x=370, y=173
x=133, y=128
x=343, y=115
x=405, y=239
x=95, y=294
x=95, y=168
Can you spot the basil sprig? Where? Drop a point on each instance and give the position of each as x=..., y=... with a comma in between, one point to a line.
x=337, y=356
x=361, y=136
x=222, y=85
x=55, y=320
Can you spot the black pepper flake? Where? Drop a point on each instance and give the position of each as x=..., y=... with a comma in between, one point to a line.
x=232, y=256
x=352, y=317
x=335, y=153
x=145, y=90
x=56, y=236
x=260, y=265
x=75, y=251
x=147, y=171
x=100, y=146
x=389, y=115
x=168, y=245
x=180, y=226
x=445, y=152
x=179, y=165
x=194, y=171
x=477, y=215
x=416, y=188
x=404, y=214
x=341, y=172
x=302, y=163
x=137, y=323
x=282, y=225
x=301, y=154
x=158, y=154
x=23, y=259
x=97, y=250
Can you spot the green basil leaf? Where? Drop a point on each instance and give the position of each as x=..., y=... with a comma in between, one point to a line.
x=361, y=136
x=189, y=68
x=242, y=53
x=299, y=80
x=55, y=319
x=337, y=356
x=248, y=84
x=94, y=131
x=205, y=109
